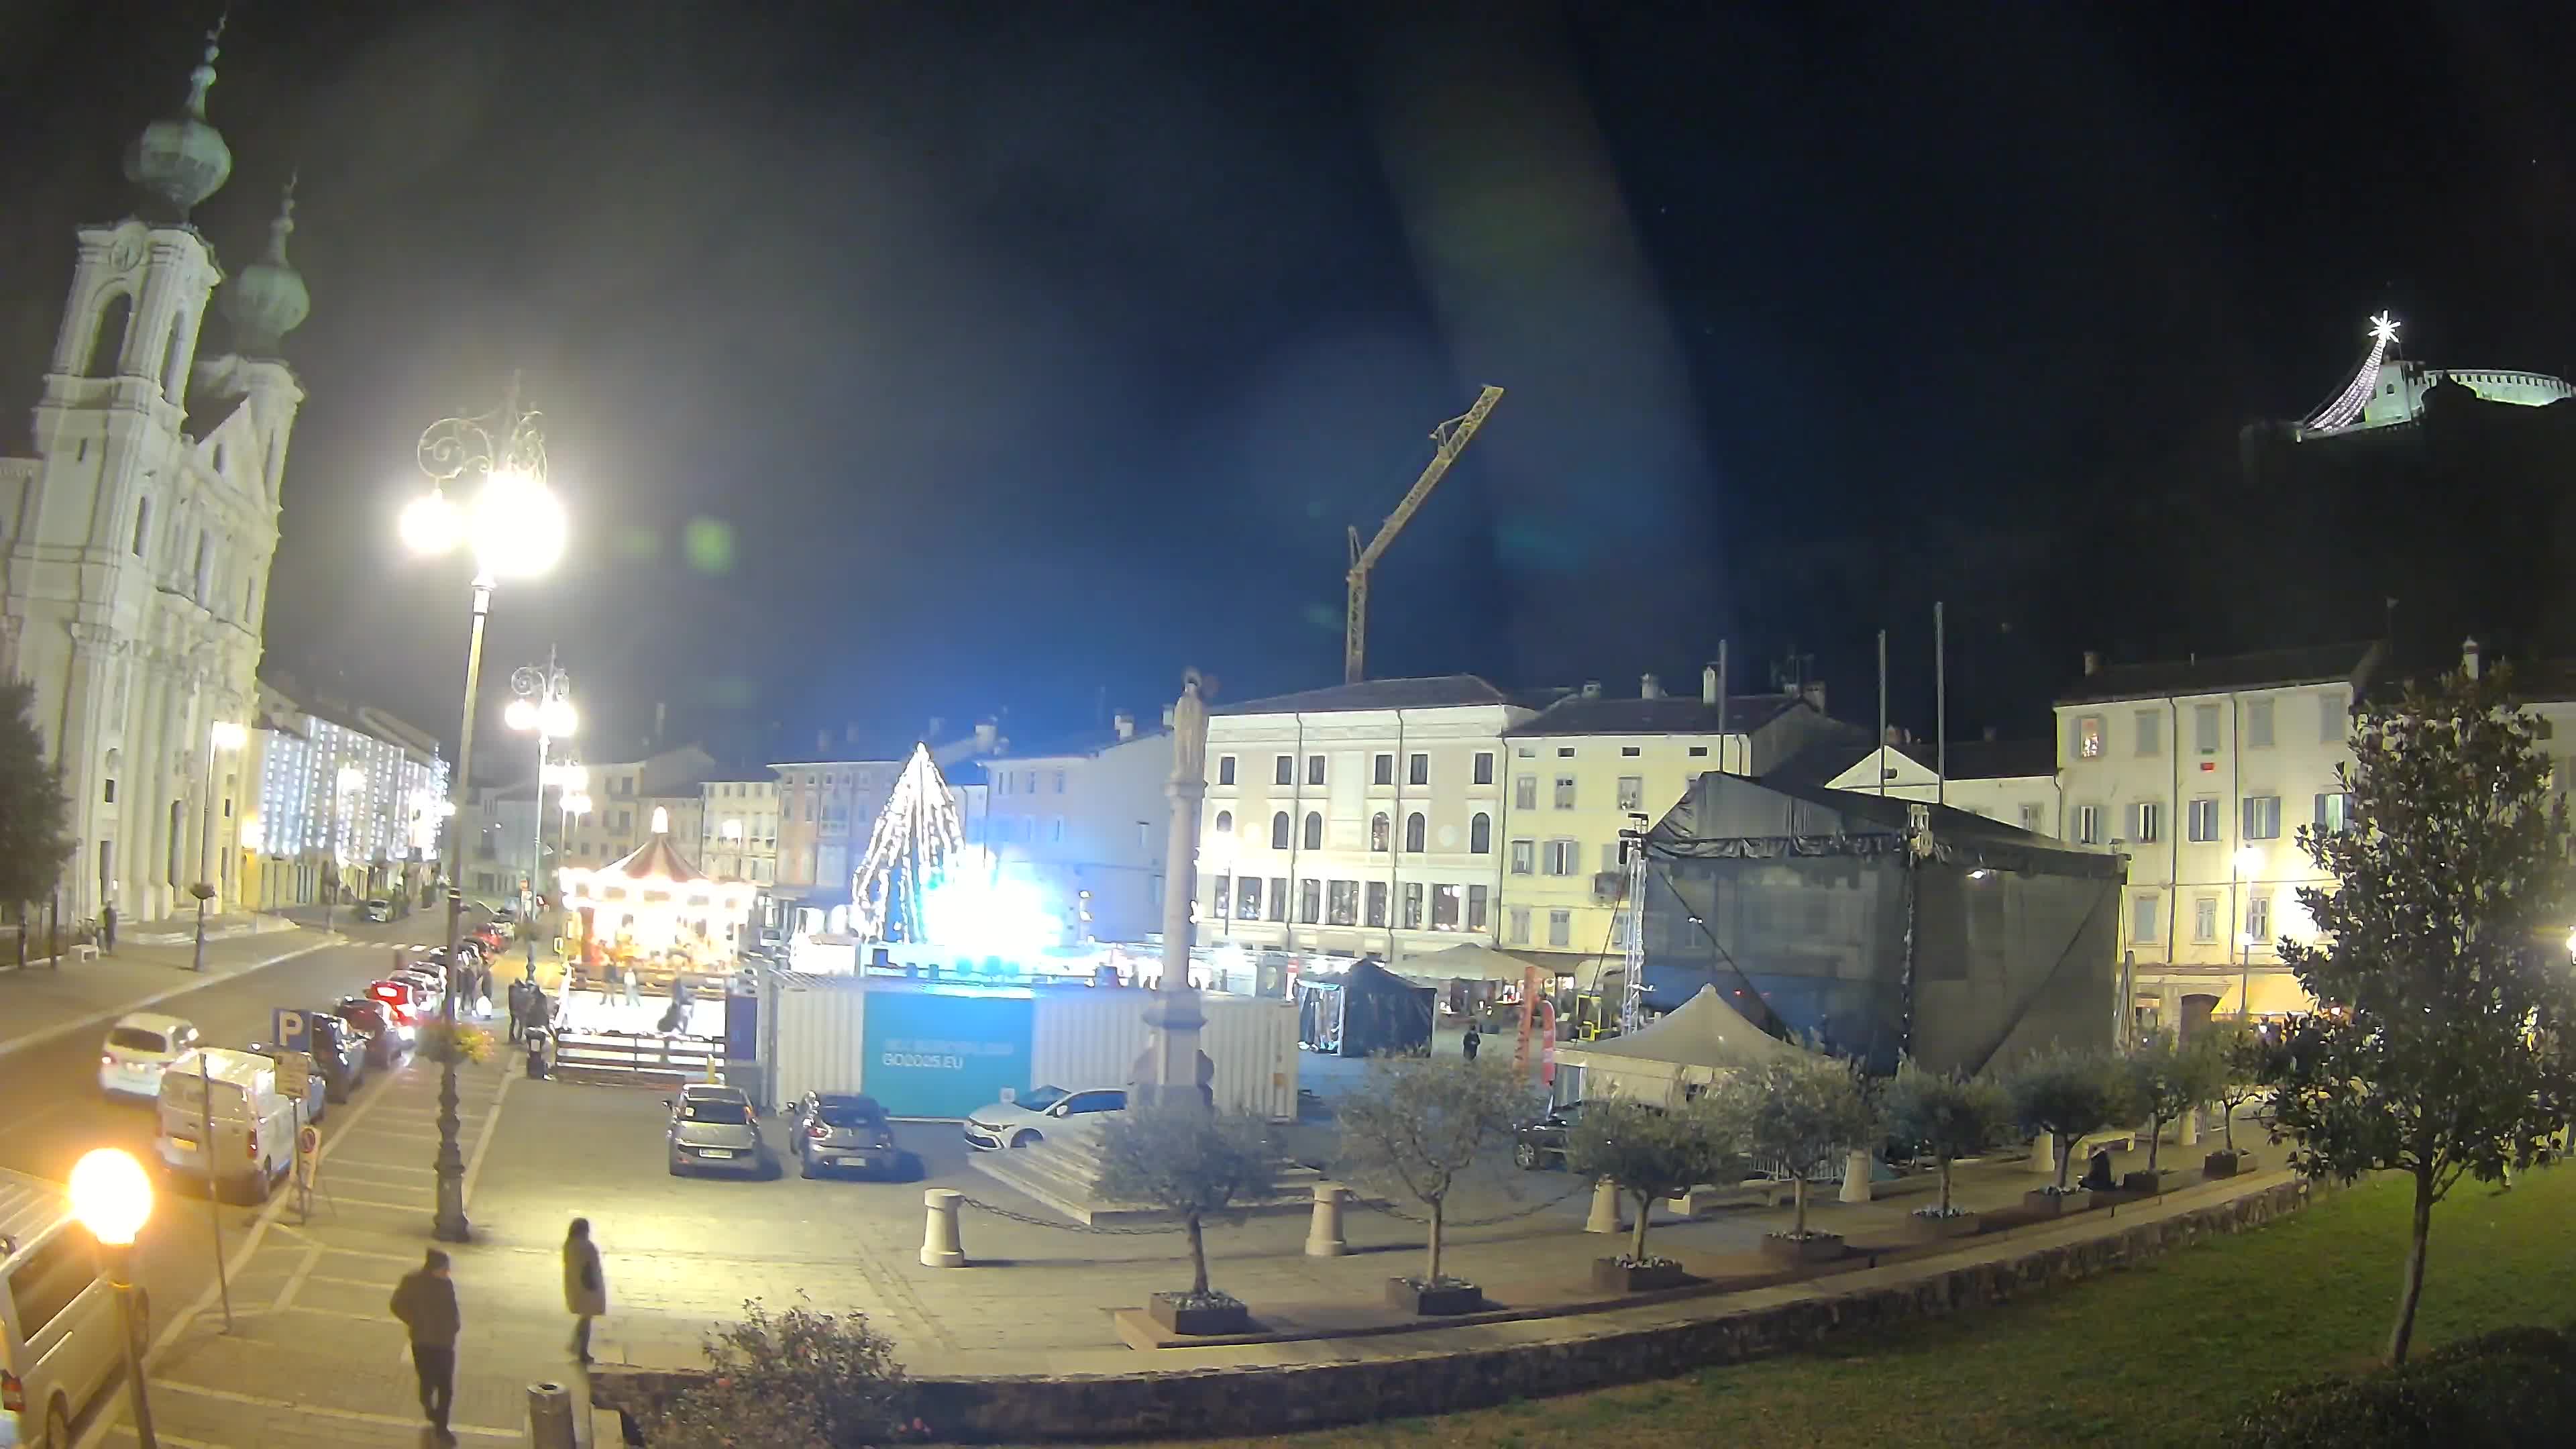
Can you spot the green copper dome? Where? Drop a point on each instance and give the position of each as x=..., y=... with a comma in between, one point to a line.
x=268, y=299
x=182, y=160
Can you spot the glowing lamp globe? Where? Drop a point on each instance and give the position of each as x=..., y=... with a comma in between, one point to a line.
x=2248, y=860
x=577, y=803
x=229, y=736
x=518, y=526
x=111, y=1195
x=521, y=715
x=431, y=524
x=351, y=777
x=557, y=717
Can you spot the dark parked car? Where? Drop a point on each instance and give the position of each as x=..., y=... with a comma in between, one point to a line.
x=835, y=1130
x=374, y=1026
x=339, y=1053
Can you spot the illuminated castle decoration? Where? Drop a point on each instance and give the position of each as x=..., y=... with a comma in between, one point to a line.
x=655, y=903
x=917, y=837
x=2388, y=391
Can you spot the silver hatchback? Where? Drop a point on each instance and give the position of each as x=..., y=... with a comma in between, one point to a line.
x=829, y=1131
x=714, y=1129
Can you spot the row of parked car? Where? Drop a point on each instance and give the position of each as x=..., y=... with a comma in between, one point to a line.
x=716, y=1129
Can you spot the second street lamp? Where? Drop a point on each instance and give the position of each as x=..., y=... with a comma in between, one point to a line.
x=544, y=707
x=222, y=736
x=515, y=526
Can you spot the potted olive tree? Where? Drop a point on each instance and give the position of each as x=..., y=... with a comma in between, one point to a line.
x=1798, y=1115
x=1194, y=1164
x=2242, y=1058
x=1414, y=1126
x=1947, y=1116
x=2165, y=1079
x=2064, y=1095
x=1650, y=1152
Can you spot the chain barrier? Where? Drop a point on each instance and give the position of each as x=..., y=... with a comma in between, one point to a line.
x=1038, y=1222
x=1447, y=1223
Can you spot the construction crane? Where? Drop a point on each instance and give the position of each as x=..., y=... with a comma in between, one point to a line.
x=1449, y=440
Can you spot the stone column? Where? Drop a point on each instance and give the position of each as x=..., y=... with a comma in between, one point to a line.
x=1173, y=1070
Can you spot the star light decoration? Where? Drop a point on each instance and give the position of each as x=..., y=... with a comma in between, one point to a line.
x=915, y=837
x=2356, y=394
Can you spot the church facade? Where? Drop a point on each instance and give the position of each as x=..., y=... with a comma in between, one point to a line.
x=139, y=536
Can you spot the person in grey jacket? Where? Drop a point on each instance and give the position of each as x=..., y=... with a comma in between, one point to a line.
x=425, y=1302
x=585, y=1286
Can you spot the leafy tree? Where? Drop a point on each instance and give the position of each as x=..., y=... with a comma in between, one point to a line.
x=2166, y=1079
x=796, y=1380
x=1949, y=1115
x=2440, y=960
x=2066, y=1094
x=35, y=830
x=1418, y=1122
x=1797, y=1114
x=1192, y=1163
x=1651, y=1152
x=2243, y=1058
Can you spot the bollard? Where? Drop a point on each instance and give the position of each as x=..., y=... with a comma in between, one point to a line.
x=1324, y=1231
x=940, y=1247
x=1856, y=1169
x=2043, y=1154
x=1604, y=1217
x=550, y=1417
x=2187, y=1131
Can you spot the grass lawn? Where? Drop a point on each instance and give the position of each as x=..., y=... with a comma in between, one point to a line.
x=2166, y=1353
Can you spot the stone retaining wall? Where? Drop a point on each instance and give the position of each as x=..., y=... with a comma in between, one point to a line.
x=1268, y=1400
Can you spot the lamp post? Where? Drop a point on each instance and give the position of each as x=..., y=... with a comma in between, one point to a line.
x=345, y=781
x=221, y=736
x=543, y=706
x=112, y=1197
x=515, y=527
x=2241, y=868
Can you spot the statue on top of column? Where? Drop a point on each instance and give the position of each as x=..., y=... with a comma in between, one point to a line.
x=1189, y=732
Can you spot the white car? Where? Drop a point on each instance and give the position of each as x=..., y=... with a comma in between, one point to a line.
x=1024, y=1122
x=139, y=1048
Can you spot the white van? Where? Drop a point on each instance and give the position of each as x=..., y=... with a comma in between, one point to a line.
x=58, y=1320
x=254, y=1127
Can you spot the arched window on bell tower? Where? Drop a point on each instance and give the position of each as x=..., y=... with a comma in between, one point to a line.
x=107, y=340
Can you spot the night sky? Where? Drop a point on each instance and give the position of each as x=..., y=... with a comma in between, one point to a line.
x=915, y=360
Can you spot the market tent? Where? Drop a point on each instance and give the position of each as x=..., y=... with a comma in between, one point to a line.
x=1364, y=1011
x=1685, y=1048
x=1469, y=962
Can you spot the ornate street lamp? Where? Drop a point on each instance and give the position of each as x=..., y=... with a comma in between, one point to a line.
x=543, y=707
x=515, y=526
x=112, y=1197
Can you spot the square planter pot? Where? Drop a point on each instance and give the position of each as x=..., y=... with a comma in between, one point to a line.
x=1170, y=1310
x=1404, y=1296
x=2149, y=1183
x=2057, y=1204
x=1957, y=1225
x=1609, y=1275
x=2223, y=1163
x=1813, y=1248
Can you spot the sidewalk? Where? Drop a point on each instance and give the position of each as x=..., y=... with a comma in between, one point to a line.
x=41, y=1004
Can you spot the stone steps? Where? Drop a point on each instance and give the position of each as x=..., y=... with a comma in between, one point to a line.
x=1063, y=1172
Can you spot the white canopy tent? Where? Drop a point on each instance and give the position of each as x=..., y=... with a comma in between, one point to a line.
x=1468, y=962
x=1689, y=1047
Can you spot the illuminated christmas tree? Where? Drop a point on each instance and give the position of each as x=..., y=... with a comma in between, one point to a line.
x=916, y=837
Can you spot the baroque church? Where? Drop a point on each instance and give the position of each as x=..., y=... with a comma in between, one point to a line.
x=138, y=538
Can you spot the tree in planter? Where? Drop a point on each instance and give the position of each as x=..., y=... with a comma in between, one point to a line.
x=1798, y=1114
x=1948, y=1116
x=2065, y=1095
x=2166, y=1079
x=2241, y=1058
x=1192, y=1163
x=1652, y=1152
x=35, y=836
x=2439, y=959
x=796, y=1380
x=1419, y=1122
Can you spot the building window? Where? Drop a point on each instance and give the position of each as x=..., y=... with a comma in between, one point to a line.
x=2034, y=818
x=1524, y=853
x=2146, y=822
x=1525, y=793
x=1059, y=782
x=1279, y=831
x=2200, y=823
x=1225, y=822
x=2204, y=728
x=2088, y=825
x=1310, y=901
x=2204, y=919
x=1284, y=771
x=1560, y=928
x=2334, y=722
x=1444, y=907
x=107, y=794
x=1699, y=752
x=1279, y=899
x=142, y=525
x=1565, y=792
x=2262, y=817
x=1632, y=792
x=1222, y=898
x=1247, y=899
x=2334, y=812
x=1516, y=925
x=2144, y=911
x=2258, y=724
x=1629, y=752
x=1565, y=752
x=1314, y=830
x=2258, y=920
x=1417, y=770
x=1382, y=770
x=1477, y=897
x=1415, y=829
x=1342, y=903
x=1314, y=769
x=1376, y=903
x=2087, y=741
x=1484, y=767
x=1225, y=769
x=1413, y=905
x=1480, y=834
x=1564, y=857
x=1144, y=833
x=2150, y=730
x=1055, y=831
x=1379, y=830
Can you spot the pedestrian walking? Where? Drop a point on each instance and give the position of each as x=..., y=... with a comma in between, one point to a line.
x=425, y=1302
x=634, y=987
x=107, y=929
x=1474, y=1040
x=585, y=1287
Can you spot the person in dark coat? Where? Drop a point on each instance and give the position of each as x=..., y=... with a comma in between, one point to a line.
x=107, y=929
x=1473, y=1041
x=425, y=1302
x=585, y=1286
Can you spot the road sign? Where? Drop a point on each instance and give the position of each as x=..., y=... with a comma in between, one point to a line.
x=308, y=1152
x=292, y=1032
x=294, y=1075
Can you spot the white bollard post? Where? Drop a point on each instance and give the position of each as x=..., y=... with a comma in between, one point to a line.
x=2043, y=1154
x=1324, y=1230
x=940, y=1247
x=1856, y=1170
x=550, y=1417
x=1604, y=1217
x=2187, y=1131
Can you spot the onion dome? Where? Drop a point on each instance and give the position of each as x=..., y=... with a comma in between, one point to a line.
x=267, y=300
x=181, y=160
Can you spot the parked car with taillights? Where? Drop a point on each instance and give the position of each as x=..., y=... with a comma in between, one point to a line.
x=139, y=1048
x=374, y=1024
x=716, y=1129
x=834, y=1130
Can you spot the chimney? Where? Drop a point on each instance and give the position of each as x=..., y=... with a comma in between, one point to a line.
x=822, y=742
x=1895, y=735
x=2092, y=662
x=1592, y=689
x=2469, y=657
x=1124, y=723
x=659, y=733
x=849, y=734
x=1708, y=685
x=987, y=733
x=1813, y=691
x=1650, y=688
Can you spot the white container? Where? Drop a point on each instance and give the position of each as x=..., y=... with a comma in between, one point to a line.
x=817, y=1027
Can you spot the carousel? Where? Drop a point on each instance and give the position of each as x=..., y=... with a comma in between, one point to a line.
x=655, y=913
